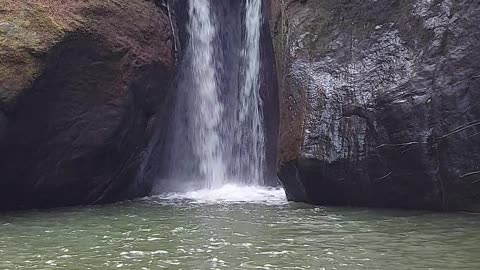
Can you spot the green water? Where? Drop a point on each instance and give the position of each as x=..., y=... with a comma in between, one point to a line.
x=185, y=234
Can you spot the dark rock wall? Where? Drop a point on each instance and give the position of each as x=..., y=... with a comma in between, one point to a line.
x=380, y=102
x=79, y=132
x=269, y=94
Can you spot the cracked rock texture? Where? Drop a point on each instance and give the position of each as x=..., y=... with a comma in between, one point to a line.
x=379, y=102
x=81, y=84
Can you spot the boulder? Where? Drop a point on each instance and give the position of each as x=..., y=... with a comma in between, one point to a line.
x=81, y=84
x=379, y=102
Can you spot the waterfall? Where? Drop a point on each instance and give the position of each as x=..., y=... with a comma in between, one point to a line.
x=207, y=108
x=218, y=135
x=250, y=111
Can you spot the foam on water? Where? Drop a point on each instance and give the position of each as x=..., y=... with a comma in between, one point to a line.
x=230, y=193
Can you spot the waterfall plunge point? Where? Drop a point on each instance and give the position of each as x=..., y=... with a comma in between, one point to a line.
x=218, y=141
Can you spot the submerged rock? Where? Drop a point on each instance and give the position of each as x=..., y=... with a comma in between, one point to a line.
x=380, y=102
x=81, y=83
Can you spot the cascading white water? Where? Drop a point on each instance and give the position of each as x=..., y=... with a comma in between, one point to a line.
x=208, y=110
x=250, y=109
x=218, y=136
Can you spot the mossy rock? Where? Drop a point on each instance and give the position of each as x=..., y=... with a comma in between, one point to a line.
x=80, y=83
x=27, y=33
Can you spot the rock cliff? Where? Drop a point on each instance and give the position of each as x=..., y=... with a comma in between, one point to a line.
x=81, y=85
x=380, y=102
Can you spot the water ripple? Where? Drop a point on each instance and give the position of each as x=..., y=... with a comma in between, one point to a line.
x=205, y=231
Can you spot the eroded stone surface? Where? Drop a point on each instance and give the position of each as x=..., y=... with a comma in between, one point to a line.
x=379, y=102
x=81, y=84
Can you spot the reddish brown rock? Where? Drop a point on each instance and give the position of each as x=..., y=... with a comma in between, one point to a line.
x=81, y=83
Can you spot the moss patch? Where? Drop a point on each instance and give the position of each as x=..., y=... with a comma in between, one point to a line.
x=26, y=34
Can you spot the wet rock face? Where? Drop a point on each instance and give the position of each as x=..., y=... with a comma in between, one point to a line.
x=81, y=85
x=380, y=102
x=3, y=124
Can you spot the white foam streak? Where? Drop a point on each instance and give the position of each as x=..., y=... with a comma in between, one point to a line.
x=231, y=193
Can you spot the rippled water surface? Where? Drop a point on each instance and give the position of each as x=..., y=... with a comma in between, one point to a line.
x=248, y=228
